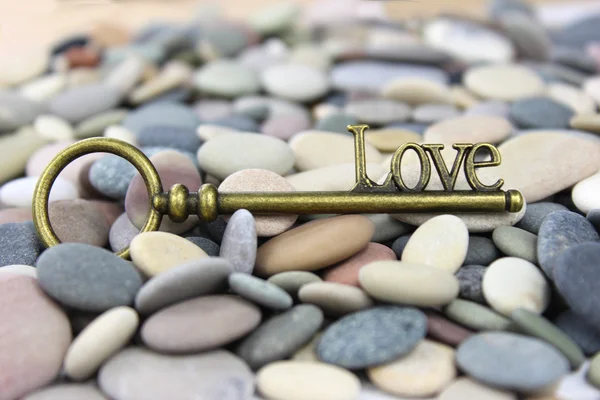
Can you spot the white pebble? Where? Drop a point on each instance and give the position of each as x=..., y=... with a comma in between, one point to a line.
x=19, y=192
x=53, y=128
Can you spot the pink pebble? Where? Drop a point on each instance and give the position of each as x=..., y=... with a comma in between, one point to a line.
x=20, y=214
x=285, y=126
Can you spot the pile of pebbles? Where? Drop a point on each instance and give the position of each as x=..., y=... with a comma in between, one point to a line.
x=320, y=307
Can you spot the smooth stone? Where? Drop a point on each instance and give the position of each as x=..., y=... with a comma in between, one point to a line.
x=16, y=215
x=19, y=244
x=275, y=18
x=579, y=31
x=335, y=299
x=399, y=244
x=226, y=154
x=575, y=276
x=81, y=102
x=515, y=242
x=535, y=215
x=137, y=373
x=593, y=374
x=584, y=194
x=510, y=361
x=307, y=352
x=574, y=98
x=441, y=242
x=277, y=107
x=372, y=337
x=67, y=391
x=226, y=78
x=26, y=270
x=417, y=91
x=332, y=178
x=17, y=111
x=18, y=148
x=570, y=159
x=574, y=229
x=79, y=221
x=173, y=75
x=586, y=122
x=156, y=252
x=292, y=281
x=444, y=330
x=314, y=245
x=209, y=247
x=31, y=321
x=476, y=316
x=389, y=139
x=163, y=113
x=259, y=291
x=297, y=380
x=530, y=37
x=470, y=278
x=432, y=113
x=200, y=324
x=121, y=233
x=378, y=111
x=335, y=122
x=260, y=180
x=280, y=336
x=407, y=377
x=579, y=330
x=200, y=277
x=481, y=251
x=468, y=388
x=311, y=55
x=591, y=86
x=86, y=277
x=387, y=228
x=169, y=136
x=239, y=244
x=506, y=82
x=594, y=217
x=494, y=108
x=409, y=283
x=469, y=129
x=99, y=341
x=284, y=127
x=24, y=66
x=316, y=149
x=43, y=88
x=19, y=192
x=347, y=271
x=208, y=110
x=295, y=82
x=209, y=131
x=53, y=128
x=510, y=283
x=97, y=124
x=537, y=326
x=540, y=113
x=238, y=122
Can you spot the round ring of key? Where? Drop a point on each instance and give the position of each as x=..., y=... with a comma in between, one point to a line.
x=392, y=196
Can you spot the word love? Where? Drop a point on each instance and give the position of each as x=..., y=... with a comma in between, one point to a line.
x=466, y=157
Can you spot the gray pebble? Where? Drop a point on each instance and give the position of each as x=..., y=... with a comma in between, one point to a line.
x=574, y=58
x=497, y=8
x=399, y=245
x=239, y=122
x=387, y=227
x=19, y=244
x=515, y=242
x=96, y=124
x=162, y=113
x=259, y=291
x=432, y=113
x=277, y=107
x=177, y=95
x=121, y=233
x=481, y=251
x=87, y=278
x=378, y=111
x=594, y=217
x=16, y=111
x=280, y=336
x=82, y=102
x=147, y=51
x=216, y=228
x=471, y=278
x=492, y=107
x=258, y=113
x=208, y=110
x=580, y=32
x=540, y=113
x=209, y=247
x=224, y=40
x=292, y=281
x=535, y=215
x=372, y=337
x=226, y=78
x=529, y=36
x=511, y=361
x=336, y=122
x=560, y=73
x=169, y=136
x=580, y=331
x=239, y=243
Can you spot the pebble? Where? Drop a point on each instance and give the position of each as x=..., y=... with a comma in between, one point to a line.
x=579, y=330
x=505, y=82
x=280, y=336
x=314, y=245
x=67, y=391
x=470, y=278
x=424, y=372
x=574, y=98
x=335, y=122
x=476, y=316
x=284, y=127
x=79, y=221
x=275, y=18
x=388, y=140
x=169, y=136
x=515, y=242
x=43, y=88
x=162, y=113
x=511, y=362
x=196, y=278
x=26, y=270
x=445, y=331
x=53, y=128
x=378, y=111
x=583, y=194
x=432, y=113
x=19, y=244
x=372, y=337
x=19, y=192
x=593, y=374
x=510, y=283
x=292, y=281
x=200, y=324
x=239, y=242
x=469, y=129
x=468, y=388
x=121, y=233
x=586, y=122
x=156, y=252
x=536, y=214
x=259, y=291
x=208, y=110
x=238, y=122
x=481, y=251
x=540, y=113
x=299, y=380
x=295, y=82
x=335, y=299
x=81, y=102
x=417, y=91
x=529, y=36
x=18, y=149
x=99, y=341
x=334, y=177
x=226, y=79
x=16, y=111
x=495, y=108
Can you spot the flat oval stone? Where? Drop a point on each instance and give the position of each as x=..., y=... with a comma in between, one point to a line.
x=193, y=279
x=156, y=252
x=515, y=242
x=19, y=244
x=574, y=98
x=292, y=281
x=97, y=124
x=200, y=324
x=583, y=194
x=169, y=136
x=259, y=291
x=535, y=215
x=87, y=278
x=334, y=299
x=586, y=122
x=389, y=139
x=416, y=91
x=510, y=361
x=470, y=278
x=476, y=316
x=26, y=270
x=510, y=283
x=378, y=111
x=481, y=251
x=281, y=335
x=79, y=221
x=295, y=82
x=372, y=337
x=81, y=102
x=137, y=373
x=307, y=380
x=30, y=321
x=16, y=111
x=424, y=372
x=121, y=233
x=225, y=154
x=18, y=148
x=529, y=36
x=579, y=330
x=496, y=108
x=469, y=129
x=19, y=192
x=53, y=128
x=336, y=121
x=99, y=341
x=507, y=82
x=432, y=113
x=67, y=391
x=162, y=113
x=284, y=127
x=403, y=282
x=298, y=248
x=239, y=242
x=574, y=229
x=444, y=330
x=227, y=79
x=441, y=242
x=540, y=113
x=593, y=374
x=467, y=388
x=43, y=88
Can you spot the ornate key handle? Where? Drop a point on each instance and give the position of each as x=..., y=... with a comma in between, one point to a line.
x=393, y=196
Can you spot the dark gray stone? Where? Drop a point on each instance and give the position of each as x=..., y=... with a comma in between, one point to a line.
x=19, y=244
x=169, y=136
x=87, y=278
x=162, y=113
x=594, y=217
x=259, y=291
x=209, y=247
x=481, y=251
x=16, y=111
x=582, y=333
x=372, y=337
x=216, y=228
x=560, y=231
x=258, y=113
x=81, y=102
x=239, y=122
x=515, y=242
x=280, y=336
x=399, y=245
x=511, y=361
x=471, y=278
x=540, y=113
x=535, y=214
x=336, y=122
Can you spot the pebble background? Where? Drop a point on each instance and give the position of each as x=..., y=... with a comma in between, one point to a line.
x=315, y=307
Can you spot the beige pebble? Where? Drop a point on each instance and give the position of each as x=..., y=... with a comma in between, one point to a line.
x=402, y=282
x=462, y=98
x=441, y=242
x=174, y=74
x=42, y=89
x=20, y=269
x=572, y=97
x=586, y=122
x=17, y=148
x=261, y=180
x=120, y=133
x=333, y=178
x=592, y=87
x=466, y=388
x=154, y=252
x=314, y=245
x=308, y=351
x=510, y=283
x=416, y=91
x=506, y=82
x=427, y=370
x=23, y=66
x=469, y=129
x=296, y=380
x=323, y=110
x=335, y=299
x=318, y=149
x=67, y=391
x=207, y=131
x=102, y=338
x=79, y=221
x=53, y=128
x=388, y=140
